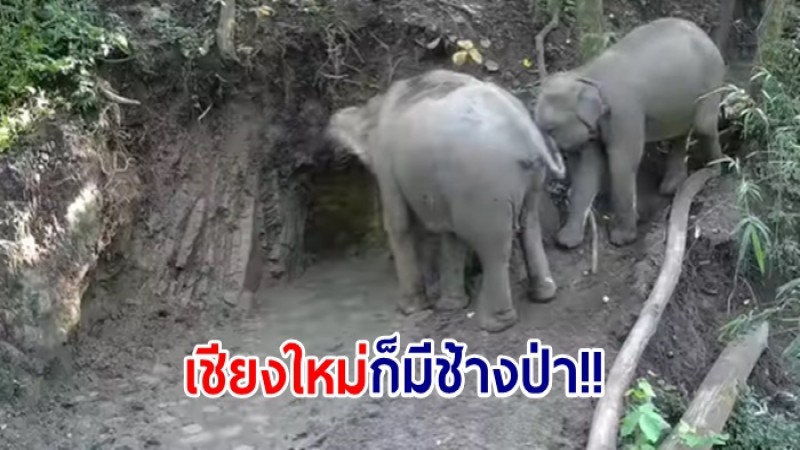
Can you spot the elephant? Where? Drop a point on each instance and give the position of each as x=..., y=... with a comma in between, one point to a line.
x=462, y=158
x=660, y=82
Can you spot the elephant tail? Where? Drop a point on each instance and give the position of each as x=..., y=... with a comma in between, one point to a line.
x=545, y=149
x=542, y=148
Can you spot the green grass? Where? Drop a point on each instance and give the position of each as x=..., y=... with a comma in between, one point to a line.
x=48, y=55
x=769, y=232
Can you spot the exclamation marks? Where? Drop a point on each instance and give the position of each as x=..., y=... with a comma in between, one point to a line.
x=599, y=371
x=592, y=372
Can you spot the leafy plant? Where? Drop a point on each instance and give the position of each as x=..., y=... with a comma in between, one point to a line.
x=643, y=425
x=468, y=52
x=769, y=184
x=689, y=437
x=754, y=426
x=49, y=52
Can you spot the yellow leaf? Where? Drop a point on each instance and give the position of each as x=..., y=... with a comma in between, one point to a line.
x=475, y=55
x=264, y=11
x=527, y=63
x=459, y=57
x=465, y=44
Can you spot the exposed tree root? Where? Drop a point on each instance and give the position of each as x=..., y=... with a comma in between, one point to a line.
x=593, y=225
x=723, y=30
x=714, y=400
x=542, y=65
x=226, y=28
x=540, y=37
x=605, y=422
x=105, y=89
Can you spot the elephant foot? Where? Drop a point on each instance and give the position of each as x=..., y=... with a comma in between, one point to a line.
x=622, y=236
x=452, y=303
x=410, y=304
x=542, y=290
x=671, y=183
x=498, y=321
x=569, y=237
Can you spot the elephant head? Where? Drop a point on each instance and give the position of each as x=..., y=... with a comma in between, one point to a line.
x=350, y=128
x=569, y=111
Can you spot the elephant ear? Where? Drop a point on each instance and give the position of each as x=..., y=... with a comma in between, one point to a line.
x=591, y=106
x=349, y=128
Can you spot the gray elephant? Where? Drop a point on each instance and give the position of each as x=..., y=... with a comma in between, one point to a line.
x=464, y=159
x=657, y=83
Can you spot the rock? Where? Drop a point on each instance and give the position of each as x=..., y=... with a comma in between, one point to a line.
x=491, y=66
x=192, y=428
x=230, y=432
x=199, y=438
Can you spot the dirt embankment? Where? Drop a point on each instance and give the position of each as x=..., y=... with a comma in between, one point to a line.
x=240, y=192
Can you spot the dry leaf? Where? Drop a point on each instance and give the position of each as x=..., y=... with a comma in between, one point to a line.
x=475, y=55
x=264, y=11
x=434, y=43
x=465, y=44
x=459, y=57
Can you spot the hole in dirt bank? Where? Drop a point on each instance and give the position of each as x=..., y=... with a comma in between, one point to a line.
x=343, y=215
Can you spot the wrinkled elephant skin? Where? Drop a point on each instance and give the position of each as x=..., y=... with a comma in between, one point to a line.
x=657, y=83
x=464, y=158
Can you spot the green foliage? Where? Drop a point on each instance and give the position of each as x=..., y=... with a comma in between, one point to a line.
x=689, y=437
x=769, y=184
x=753, y=426
x=645, y=427
x=48, y=53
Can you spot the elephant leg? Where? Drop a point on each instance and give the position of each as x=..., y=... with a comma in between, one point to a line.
x=585, y=186
x=453, y=260
x=397, y=224
x=706, y=126
x=676, y=171
x=488, y=229
x=541, y=284
x=624, y=156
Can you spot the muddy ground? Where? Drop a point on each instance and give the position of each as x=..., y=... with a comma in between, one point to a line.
x=245, y=140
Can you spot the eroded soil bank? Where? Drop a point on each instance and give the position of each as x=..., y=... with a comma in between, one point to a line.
x=251, y=231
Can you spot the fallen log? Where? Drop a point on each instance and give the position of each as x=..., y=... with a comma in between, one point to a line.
x=714, y=400
x=605, y=421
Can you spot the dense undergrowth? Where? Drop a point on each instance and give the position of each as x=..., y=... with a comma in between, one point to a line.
x=48, y=55
x=768, y=120
x=769, y=195
x=769, y=188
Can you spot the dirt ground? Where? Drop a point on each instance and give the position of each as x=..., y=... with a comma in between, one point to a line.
x=129, y=393
x=118, y=385
x=124, y=389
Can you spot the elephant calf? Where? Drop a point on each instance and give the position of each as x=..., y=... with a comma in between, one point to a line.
x=657, y=83
x=463, y=157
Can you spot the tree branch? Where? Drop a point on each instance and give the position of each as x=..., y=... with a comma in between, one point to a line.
x=605, y=422
x=540, y=37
